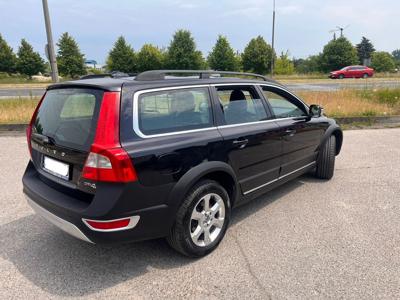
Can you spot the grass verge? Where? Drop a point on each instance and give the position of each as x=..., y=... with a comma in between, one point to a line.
x=342, y=103
x=356, y=103
x=17, y=110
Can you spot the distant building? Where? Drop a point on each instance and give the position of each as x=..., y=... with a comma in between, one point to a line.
x=91, y=63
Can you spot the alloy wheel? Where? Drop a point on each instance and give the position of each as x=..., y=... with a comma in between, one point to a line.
x=207, y=220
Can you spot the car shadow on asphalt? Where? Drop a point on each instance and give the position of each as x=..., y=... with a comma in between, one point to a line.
x=246, y=210
x=64, y=266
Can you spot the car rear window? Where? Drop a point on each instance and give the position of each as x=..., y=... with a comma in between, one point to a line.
x=174, y=110
x=69, y=117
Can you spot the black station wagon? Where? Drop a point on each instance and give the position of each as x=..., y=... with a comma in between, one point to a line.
x=121, y=159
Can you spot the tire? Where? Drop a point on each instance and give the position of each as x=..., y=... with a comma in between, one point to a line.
x=326, y=159
x=182, y=236
x=365, y=76
x=341, y=76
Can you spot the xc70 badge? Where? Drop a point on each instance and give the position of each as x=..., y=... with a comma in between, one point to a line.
x=47, y=150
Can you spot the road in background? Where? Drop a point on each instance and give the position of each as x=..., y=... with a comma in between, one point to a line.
x=301, y=85
x=24, y=92
x=307, y=239
x=335, y=85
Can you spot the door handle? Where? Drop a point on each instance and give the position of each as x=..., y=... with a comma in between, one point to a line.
x=290, y=132
x=240, y=142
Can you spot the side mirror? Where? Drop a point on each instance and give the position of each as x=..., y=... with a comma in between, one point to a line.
x=315, y=111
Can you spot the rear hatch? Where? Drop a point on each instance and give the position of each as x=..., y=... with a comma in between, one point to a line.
x=63, y=131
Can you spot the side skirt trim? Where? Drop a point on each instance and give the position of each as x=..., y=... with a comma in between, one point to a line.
x=279, y=178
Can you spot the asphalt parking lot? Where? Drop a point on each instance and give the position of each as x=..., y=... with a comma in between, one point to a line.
x=307, y=239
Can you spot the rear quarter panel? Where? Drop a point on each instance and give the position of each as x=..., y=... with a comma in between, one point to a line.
x=163, y=160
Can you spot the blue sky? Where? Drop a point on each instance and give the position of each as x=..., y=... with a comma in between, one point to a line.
x=302, y=26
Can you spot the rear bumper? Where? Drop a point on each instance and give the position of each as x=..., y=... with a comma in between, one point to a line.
x=60, y=223
x=111, y=202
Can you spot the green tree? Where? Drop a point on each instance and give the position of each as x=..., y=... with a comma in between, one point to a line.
x=149, y=58
x=70, y=60
x=122, y=57
x=396, y=56
x=7, y=57
x=29, y=62
x=257, y=56
x=382, y=62
x=283, y=65
x=239, y=60
x=182, y=52
x=338, y=54
x=364, y=49
x=222, y=56
x=311, y=64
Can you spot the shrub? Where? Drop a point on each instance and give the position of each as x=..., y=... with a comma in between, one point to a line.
x=382, y=62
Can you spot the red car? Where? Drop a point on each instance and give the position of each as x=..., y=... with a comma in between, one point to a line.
x=352, y=72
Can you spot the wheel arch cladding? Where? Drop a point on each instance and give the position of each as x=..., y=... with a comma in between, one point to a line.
x=214, y=170
x=226, y=181
x=336, y=131
x=339, y=139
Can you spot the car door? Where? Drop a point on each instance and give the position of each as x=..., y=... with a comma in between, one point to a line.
x=359, y=72
x=362, y=71
x=300, y=134
x=347, y=72
x=251, y=138
x=354, y=72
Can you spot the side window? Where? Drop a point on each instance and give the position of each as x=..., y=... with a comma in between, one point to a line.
x=282, y=107
x=174, y=110
x=241, y=105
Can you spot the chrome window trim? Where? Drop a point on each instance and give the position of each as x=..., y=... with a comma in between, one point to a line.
x=287, y=91
x=264, y=84
x=255, y=122
x=137, y=94
x=279, y=178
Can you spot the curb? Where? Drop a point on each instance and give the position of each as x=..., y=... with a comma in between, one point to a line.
x=390, y=120
x=13, y=127
x=369, y=120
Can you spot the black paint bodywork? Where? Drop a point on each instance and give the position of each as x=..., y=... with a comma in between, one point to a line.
x=243, y=158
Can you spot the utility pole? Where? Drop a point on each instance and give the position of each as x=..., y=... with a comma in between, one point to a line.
x=50, y=45
x=273, y=41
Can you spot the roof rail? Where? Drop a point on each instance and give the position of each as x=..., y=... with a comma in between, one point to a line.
x=203, y=74
x=114, y=74
x=92, y=76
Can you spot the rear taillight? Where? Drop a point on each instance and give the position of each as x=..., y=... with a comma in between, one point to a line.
x=107, y=161
x=30, y=125
x=109, y=165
